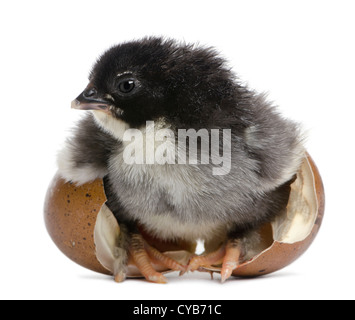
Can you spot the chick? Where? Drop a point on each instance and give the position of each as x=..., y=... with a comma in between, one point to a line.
x=157, y=83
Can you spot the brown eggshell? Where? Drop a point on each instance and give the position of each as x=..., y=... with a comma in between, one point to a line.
x=280, y=255
x=71, y=213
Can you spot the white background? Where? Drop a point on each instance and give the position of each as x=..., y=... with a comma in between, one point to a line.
x=301, y=52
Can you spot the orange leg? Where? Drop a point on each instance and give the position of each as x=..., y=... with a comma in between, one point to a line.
x=160, y=259
x=213, y=258
x=144, y=255
x=231, y=259
x=228, y=255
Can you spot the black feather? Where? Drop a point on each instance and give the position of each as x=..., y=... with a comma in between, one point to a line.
x=190, y=87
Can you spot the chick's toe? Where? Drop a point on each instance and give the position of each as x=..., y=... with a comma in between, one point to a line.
x=144, y=256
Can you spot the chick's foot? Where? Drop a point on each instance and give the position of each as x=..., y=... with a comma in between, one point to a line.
x=144, y=255
x=228, y=255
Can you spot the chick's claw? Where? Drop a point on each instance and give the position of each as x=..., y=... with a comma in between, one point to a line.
x=228, y=255
x=120, y=277
x=145, y=255
x=231, y=259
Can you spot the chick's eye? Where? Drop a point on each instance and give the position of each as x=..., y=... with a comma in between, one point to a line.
x=126, y=86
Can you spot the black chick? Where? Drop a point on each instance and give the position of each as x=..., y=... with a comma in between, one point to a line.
x=180, y=86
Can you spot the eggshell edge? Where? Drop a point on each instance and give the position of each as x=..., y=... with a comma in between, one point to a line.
x=280, y=255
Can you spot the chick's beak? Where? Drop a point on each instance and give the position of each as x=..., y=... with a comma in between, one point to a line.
x=90, y=100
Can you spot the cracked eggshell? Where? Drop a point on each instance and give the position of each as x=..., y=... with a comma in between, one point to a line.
x=293, y=232
x=85, y=230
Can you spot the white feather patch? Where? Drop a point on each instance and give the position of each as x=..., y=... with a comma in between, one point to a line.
x=69, y=171
x=111, y=125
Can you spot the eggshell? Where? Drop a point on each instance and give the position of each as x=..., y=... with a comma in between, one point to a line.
x=71, y=213
x=281, y=253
